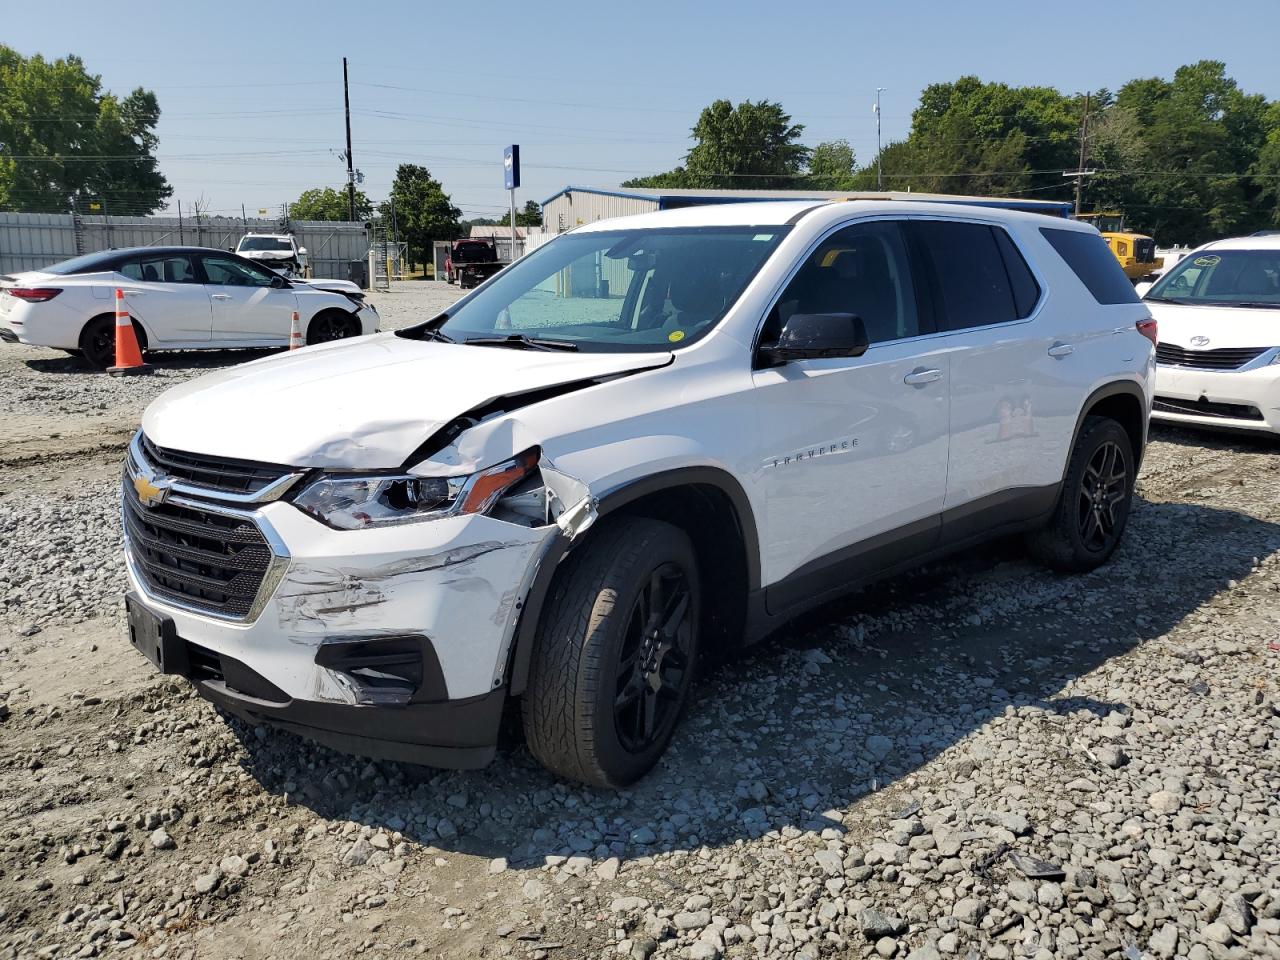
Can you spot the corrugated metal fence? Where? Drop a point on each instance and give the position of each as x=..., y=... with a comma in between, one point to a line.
x=29, y=241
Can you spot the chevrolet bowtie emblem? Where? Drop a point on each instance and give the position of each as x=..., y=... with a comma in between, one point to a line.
x=150, y=494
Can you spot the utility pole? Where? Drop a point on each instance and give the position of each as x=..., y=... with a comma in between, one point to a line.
x=1084, y=140
x=351, y=169
x=879, y=171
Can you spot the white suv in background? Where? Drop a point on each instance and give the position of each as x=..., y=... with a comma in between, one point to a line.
x=1219, y=353
x=565, y=491
x=279, y=251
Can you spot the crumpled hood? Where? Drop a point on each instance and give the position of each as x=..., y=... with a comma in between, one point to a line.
x=364, y=404
x=1224, y=326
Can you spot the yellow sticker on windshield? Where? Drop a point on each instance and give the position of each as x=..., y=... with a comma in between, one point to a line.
x=1205, y=261
x=675, y=336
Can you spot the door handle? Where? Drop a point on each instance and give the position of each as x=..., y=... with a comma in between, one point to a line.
x=220, y=296
x=1061, y=350
x=133, y=293
x=921, y=375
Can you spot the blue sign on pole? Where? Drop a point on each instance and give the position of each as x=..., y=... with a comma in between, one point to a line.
x=511, y=166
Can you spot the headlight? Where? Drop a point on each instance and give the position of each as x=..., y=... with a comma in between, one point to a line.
x=381, y=500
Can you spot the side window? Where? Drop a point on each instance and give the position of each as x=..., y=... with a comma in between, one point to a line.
x=973, y=284
x=862, y=269
x=171, y=269
x=1090, y=259
x=232, y=273
x=1026, y=292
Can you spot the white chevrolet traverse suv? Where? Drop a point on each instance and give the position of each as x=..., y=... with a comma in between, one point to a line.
x=1218, y=362
x=179, y=298
x=648, y=438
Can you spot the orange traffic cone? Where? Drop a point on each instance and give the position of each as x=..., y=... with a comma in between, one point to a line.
x=295, y=332
x=128, y=356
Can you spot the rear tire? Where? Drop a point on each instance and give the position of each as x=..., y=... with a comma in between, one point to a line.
x=98, y=342
x=1093, y=505
x=615, y=656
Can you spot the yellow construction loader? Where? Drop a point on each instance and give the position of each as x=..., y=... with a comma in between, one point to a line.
x=1135, y=251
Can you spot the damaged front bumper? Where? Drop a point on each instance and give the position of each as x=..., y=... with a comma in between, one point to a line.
x=392, y=642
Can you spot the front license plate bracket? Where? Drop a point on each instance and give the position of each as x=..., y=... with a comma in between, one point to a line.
x=155, y=637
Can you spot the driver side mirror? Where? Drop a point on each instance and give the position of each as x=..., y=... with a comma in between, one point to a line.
x=811, y=336
x=1141, y=288
x=302, y=251
x=278, y=282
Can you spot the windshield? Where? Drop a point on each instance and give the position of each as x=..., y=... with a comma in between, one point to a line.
x=265, y=243
x=1249, y=277
x=617, y=290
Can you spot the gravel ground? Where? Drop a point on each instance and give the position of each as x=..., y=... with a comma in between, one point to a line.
x=980, y=759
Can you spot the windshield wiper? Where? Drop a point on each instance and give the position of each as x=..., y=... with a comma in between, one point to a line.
x=1246, y=303
x=1185, y=301
x=432, y=334
x=521, y=342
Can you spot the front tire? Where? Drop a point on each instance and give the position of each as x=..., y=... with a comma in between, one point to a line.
x=615, y=655
x=332, y=325
x=1093, y=507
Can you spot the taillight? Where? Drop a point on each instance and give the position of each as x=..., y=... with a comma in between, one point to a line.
x=1147, y=328
x=33, y=294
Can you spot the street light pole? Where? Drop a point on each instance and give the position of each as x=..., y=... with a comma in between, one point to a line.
x=879, y=170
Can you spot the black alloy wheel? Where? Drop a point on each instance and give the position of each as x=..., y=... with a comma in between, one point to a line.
x=1092, y=509
x=653, y=665
x=332, y=325
x=98, y=342
x=99, y=346
x=1104, y=486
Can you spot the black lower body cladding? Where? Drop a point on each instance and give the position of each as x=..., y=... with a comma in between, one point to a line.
x=404, y=713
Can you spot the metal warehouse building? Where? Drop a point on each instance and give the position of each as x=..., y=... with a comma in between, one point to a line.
x=574, y=206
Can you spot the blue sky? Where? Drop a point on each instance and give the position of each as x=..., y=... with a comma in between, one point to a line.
x=251, y=93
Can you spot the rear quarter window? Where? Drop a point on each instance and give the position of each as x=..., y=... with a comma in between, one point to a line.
x=1091, y=260
x=1026, y=292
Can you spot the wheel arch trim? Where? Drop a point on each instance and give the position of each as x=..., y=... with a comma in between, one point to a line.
x=609, y=502
x=1116, y=388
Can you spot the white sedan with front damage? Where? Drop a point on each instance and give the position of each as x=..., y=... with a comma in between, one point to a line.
x=179, y=298
x=1218, y=359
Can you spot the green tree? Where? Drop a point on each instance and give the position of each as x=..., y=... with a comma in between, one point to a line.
x=63, y=138
x=1267, y=169
x=326, y=203
x=831, y=166
x=987, y=138
x=423, y=211
x=1203, y=137
x=530, y=216
x=753, y=145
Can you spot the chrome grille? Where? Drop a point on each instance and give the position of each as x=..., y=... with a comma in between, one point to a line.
x=204, y=549
x=1227, y=358
x=183, y=554
x=216, y=473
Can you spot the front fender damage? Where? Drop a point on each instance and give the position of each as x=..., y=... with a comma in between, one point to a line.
x=466, y=597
